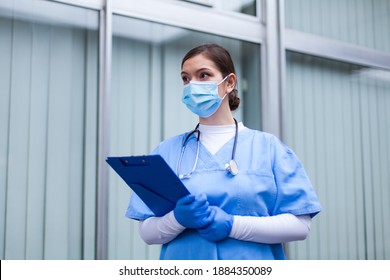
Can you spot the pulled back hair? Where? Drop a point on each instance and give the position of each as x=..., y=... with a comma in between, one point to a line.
x=222, y=59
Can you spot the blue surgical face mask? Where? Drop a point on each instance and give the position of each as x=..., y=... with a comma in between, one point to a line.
x=202, y=97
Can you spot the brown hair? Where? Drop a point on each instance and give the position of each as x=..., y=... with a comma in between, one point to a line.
x=222, y=59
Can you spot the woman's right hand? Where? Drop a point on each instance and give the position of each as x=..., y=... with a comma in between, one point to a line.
x=193, y=211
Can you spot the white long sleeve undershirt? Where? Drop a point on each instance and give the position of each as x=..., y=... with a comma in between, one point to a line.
x=269, y=230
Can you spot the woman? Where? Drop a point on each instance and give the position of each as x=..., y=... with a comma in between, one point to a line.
x=249, y=192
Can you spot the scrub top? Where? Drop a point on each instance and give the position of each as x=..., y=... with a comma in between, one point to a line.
x=271, y=181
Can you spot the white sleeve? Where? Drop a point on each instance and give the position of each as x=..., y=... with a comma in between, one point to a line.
x=272, y=229
x=269, y=230
x=160, y=230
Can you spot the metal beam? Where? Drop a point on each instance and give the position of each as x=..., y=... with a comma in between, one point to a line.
x=271, y=90
x=336, y=50
x=103, y=134
x=194, y=17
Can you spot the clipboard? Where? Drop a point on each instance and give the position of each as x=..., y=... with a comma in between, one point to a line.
x=152, y=179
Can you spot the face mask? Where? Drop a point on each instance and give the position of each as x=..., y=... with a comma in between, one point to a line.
x=202, y=97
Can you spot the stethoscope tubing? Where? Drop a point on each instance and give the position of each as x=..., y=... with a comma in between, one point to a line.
x=231, y=167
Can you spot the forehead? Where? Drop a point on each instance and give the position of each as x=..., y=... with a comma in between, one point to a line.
x=198, y=62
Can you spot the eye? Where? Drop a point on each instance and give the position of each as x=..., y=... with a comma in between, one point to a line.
x=204, y=76
x=185, y=79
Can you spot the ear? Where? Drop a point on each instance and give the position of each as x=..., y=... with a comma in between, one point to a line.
x=231, y=82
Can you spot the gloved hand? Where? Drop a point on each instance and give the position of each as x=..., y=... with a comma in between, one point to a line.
x=220, y=228
x=193, y=211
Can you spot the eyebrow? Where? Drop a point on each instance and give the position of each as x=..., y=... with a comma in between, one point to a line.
x=197, y=71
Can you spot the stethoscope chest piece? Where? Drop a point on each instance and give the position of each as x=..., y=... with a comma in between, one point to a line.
x=232, y=167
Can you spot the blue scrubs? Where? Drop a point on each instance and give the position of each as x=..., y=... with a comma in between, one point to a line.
x=271, y=181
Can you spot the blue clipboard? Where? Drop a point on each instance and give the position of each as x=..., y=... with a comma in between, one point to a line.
x=152, y=179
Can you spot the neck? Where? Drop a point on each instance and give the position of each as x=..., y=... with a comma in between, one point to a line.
x=215, y=120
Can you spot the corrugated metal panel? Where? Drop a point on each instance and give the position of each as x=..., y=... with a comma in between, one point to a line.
x=338, y=124
x=361, y=22
x=130, y=135
x=51, y=72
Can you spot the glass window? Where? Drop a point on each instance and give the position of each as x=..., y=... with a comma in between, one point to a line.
x=360, y=22
x=247, y=7
x=48, y=119
x=337, y=121
x=146, y=105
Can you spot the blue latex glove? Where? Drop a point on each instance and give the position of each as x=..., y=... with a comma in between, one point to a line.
x=220, y=228
x=193, y=211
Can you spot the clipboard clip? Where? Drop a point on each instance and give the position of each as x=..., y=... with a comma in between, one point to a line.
x=134, y=161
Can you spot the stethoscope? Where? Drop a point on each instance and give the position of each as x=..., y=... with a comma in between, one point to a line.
x=231, y=167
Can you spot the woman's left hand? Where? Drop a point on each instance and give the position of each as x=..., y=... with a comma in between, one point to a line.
x=220, y=228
